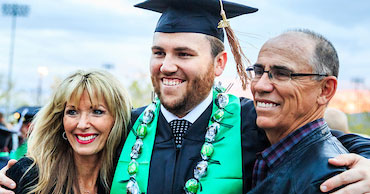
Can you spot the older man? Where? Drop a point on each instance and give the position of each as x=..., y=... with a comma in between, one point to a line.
x=293, y=80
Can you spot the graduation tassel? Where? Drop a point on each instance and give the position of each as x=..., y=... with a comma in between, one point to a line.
x=238, y=53
x=238, y=56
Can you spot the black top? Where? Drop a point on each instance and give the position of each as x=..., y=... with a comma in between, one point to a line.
x=16, y=172
x=31, y=178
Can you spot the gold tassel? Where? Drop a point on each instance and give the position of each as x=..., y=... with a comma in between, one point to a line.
x=237, y=51
x=239, y=56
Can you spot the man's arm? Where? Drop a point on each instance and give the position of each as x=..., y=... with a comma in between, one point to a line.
x=357, y=178
x=5, y=181
x=354, y=143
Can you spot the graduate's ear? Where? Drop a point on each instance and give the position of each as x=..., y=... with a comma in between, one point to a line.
x=220, y=63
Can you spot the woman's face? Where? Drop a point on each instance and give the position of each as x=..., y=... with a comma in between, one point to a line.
x=87, y=127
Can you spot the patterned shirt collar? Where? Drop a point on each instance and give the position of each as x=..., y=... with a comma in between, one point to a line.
x=273, y=155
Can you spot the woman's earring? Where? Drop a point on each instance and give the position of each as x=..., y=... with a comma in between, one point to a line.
x=64, y=135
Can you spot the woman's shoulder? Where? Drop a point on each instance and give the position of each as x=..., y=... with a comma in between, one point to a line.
x=19, y=168
x=20, y=174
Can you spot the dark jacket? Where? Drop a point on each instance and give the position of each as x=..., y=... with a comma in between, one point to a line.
x=305, y=167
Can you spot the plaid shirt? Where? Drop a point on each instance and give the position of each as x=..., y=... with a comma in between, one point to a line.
x=273, y=155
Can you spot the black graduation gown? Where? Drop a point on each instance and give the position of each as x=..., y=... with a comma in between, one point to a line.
x=168, y=173
x=171, y=168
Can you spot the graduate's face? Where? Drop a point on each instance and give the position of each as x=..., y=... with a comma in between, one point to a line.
x=182, y=70
x=87, y=127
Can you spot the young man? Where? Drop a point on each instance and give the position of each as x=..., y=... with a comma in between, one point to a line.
x=187, y=54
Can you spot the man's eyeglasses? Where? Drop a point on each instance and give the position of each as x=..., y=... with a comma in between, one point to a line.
x=276, y=74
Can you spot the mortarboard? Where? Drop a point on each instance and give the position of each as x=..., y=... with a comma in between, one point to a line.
x=30, y=112
x=199, y=16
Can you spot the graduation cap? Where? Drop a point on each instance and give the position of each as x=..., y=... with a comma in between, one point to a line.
x=28, y=111
x=199, y=16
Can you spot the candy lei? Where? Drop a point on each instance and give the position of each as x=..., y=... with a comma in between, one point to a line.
x=132, y=186
x=192, y=185
x=222, y=100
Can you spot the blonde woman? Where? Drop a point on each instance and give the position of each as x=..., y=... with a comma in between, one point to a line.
x=74, y=137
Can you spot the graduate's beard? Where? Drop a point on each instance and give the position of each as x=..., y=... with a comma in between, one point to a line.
x=197, y=90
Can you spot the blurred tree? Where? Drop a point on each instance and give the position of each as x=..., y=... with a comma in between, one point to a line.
x=4, y=91
x=359, y=123
x=140, y=93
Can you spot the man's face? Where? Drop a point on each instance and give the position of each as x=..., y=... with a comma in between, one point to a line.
x=182, y=70
x=24, y=129
x=284, y=106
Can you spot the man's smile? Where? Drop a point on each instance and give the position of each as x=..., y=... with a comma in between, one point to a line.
x=266, y=104
x=172, y=81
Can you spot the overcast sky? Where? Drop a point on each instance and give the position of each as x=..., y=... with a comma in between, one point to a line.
x=66, y=35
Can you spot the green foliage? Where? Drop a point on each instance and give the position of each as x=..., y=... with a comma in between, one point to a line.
x=2, y=90
x=359, y=123
x=140, y=93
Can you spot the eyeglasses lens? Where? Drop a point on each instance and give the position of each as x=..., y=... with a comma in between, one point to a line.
x=274, y=74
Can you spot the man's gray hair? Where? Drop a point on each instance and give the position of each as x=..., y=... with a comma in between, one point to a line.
x=325, y=59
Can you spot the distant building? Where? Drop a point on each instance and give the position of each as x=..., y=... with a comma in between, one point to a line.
x=351, y=101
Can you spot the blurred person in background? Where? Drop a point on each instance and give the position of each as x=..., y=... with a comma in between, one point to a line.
x=5, y=139
x=26, y=119
x=3, y=121
x=336, y=119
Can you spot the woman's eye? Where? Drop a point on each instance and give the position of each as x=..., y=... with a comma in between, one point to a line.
x=98, y=112
x=71, y=112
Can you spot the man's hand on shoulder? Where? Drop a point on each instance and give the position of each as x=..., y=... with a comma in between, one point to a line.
x=356, y=178
x=5, y=181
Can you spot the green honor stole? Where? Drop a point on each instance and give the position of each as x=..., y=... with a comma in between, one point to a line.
x=222, y=153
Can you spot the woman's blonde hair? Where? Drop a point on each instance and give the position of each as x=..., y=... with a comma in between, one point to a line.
x=53, y=155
